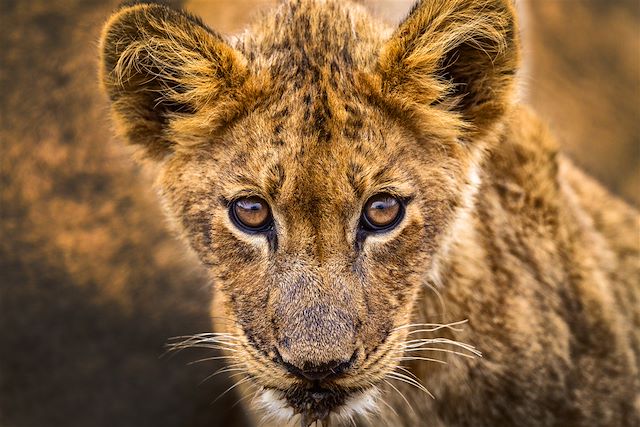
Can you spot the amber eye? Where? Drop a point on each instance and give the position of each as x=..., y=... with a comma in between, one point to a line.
x=251, y=214
x=382, y=212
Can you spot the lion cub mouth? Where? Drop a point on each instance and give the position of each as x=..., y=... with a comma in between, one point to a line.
x=316, y=402
x=316, y=395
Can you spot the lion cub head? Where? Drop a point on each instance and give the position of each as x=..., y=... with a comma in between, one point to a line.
x=316, y=165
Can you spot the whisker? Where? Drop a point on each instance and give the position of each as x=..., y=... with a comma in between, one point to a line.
x=209, y=346
x=435, y=290
x=247, y=396
x=434, y=329
x=223, y=370
x=433, y=326
x=255, y=395
x=416, y=341
x=388, y=406
x=401, y=395
x=206, y=359
x=206, y=334
x=415, y=344
x=217, y=340
x=203, y=339
x=408, y=372
x=401, y=377
x=247, y=378
x=442, y=350
x=197, y=342
x=427, y=359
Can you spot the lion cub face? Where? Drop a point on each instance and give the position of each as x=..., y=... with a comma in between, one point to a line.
x=315, y=169
x=318, y=249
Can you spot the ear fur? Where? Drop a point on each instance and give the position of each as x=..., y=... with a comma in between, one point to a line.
x=461, y=55
x=160, y=67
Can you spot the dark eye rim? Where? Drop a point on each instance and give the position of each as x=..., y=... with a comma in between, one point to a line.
x=368, y=227
x=265, y=228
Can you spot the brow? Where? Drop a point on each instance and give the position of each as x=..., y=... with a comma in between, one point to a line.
x=363, y=175
x=275, y=176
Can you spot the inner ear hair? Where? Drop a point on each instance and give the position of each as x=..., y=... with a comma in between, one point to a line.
x=158, y=65
x=459, y=55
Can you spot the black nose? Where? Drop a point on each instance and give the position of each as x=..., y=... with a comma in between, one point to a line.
x=323, y=371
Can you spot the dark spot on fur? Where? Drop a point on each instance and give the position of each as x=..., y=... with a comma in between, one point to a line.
x=350, y=109
x=199, y=225
x=335, y=69
x=240, y=160
x=272, y=239
x=354, y=175
x=275, y=179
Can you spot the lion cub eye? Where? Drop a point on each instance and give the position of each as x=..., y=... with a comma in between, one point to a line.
x=251, y=214
x=382, y=212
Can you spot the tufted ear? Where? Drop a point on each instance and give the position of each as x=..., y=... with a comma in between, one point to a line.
x=161, y=67
x=460, y=55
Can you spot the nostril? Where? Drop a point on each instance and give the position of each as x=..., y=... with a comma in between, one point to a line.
x=325, y=370
x=318, y=372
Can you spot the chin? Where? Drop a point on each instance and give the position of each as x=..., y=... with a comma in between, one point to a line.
x=314, y=403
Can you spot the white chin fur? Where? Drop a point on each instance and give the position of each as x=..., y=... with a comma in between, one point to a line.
x=275, y=407
x=362, y=403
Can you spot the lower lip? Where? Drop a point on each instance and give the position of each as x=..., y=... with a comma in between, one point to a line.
x=342, y=404
x=315, y=403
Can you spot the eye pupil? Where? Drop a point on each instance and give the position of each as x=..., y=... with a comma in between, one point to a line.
x=382, y=212
x=379, y=204
x=249, y=205
x=251, y=214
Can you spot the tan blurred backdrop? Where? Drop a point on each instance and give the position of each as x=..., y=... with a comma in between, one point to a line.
x=92, y=284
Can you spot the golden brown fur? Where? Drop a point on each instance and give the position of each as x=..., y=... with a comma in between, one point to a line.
x=317, y=115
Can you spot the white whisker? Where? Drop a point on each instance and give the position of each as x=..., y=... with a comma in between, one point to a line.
x=244, y=380
x=426, y=359
x=408, y=372
x=433, y=326
x=206, y=359
x=224, y=370
x=209, y=346
x=418, y=343
x=442, y=350
x=401, y=377
x=401, y=395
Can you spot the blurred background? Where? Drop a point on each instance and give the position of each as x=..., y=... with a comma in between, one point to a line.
x=91, y=282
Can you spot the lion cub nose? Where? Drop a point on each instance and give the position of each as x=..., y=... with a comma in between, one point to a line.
x=313, y=372
x=316, y=342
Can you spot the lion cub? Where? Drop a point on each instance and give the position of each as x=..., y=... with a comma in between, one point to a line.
x=391, y=238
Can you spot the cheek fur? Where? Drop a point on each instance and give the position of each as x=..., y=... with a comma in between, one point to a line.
x=234, y=256
x=395, y=268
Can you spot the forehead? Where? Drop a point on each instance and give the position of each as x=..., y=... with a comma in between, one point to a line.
x=314, y=134
x=282, y=152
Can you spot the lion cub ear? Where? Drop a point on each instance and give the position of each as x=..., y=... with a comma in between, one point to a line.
x=461, y=55
x=160, y=67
